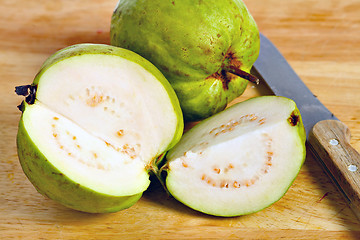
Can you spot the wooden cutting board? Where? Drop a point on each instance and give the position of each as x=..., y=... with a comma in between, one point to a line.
x=320, y=39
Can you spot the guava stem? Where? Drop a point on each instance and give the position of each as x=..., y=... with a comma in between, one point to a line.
x=29, y=91
x=22, y=90
x=242, y=74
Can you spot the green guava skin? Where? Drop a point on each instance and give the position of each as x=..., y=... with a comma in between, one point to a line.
x=50, y=182
x=193, y=43
x=47, y=179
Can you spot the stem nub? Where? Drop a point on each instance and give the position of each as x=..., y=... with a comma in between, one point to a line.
x=29, y=91
x=242, y=74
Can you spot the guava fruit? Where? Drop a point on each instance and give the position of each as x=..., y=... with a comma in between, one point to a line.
x=238, y=161
x=94, y=121
x=204, y=48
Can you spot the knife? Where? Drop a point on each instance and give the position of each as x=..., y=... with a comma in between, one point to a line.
x=327, y=137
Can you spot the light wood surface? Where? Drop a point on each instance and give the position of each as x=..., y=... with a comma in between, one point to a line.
x=320, y=39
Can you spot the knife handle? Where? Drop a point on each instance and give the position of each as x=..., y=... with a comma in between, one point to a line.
x=330, y=142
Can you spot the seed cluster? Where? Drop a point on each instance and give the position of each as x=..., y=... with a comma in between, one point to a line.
x=230, y=126
x=95, y=96
x=94, y=158
x=219, y=176
x=127, y=149
x=91, y=160
x=222, y=182
x=268, y=155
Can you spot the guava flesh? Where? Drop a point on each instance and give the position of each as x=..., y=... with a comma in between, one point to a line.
x=238, y=161
x=98, y=123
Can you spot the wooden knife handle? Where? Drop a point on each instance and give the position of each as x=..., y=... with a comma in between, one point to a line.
x=330, y=142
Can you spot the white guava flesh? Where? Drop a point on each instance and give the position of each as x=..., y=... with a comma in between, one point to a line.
x=240, y=160
x=100, y=120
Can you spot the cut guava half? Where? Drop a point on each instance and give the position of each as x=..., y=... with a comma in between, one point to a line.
x=99, y=118
x=239, y=161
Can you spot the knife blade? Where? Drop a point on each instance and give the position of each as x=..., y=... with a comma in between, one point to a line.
x=327, y=137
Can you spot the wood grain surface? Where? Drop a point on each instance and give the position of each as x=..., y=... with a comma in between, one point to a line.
x=320, y=39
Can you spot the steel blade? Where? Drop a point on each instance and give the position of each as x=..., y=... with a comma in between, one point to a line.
x=275, y=71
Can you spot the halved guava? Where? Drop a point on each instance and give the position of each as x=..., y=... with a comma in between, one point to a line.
x=95, y=121
x=238, y=161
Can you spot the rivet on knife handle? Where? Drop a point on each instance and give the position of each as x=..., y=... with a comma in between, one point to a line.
x=330, y=141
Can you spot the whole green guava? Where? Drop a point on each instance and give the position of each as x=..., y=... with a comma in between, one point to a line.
x=205, y=48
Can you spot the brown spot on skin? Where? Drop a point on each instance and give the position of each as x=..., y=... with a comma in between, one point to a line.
x=185, y=164
x=60, y=174
x=206, y=50
x=55, y=135
x=232, y=59
x=217, y=170
x=74, y=137
x=55, y=118
x=294, y=119
x=224, y=77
